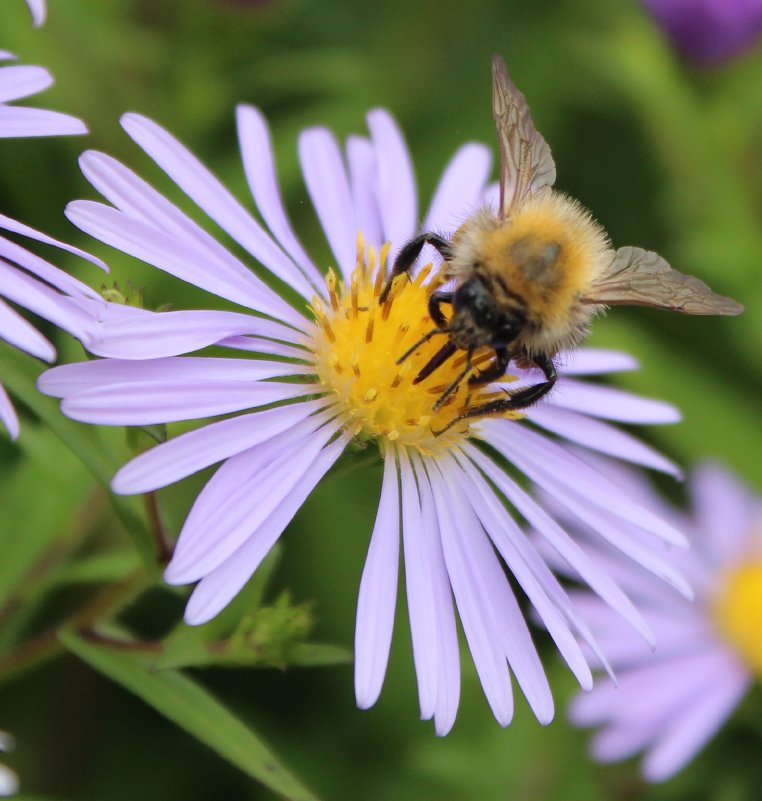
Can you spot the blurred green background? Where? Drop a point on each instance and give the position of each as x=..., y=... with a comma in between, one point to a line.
x=666, y=156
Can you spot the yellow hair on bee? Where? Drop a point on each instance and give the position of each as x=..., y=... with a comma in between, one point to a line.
x=518, y=250
x=540, y=260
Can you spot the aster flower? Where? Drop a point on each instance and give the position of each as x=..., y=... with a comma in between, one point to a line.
x=709, y=32
x=670, y=702
x=325, y=377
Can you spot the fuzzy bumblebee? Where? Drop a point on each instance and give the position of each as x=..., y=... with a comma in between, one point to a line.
x=527, y=280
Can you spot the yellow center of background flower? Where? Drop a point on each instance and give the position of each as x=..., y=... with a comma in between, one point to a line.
x=357, y=347
x=739, y=612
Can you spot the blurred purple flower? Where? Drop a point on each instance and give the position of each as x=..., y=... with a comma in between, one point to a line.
x=330, y=377
x=30, y=282
x=709, y=32
x=670, y=702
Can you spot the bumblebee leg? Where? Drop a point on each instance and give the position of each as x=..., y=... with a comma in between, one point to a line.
x=497, y=370
x=409, y=253
x=437, y=360
x=436, y=299
x=518, y=400
x=456, y=382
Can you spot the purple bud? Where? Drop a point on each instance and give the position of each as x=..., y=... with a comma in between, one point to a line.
x=709, y=32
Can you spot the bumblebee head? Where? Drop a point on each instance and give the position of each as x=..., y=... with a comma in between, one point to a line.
x=479, y=319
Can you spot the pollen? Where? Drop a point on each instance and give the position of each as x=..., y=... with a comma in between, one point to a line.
x=358, y=343
x=738, y=612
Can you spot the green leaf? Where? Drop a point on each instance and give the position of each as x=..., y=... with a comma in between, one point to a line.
x=19, y=376
x=39, y=498
x=191, y=707
x=99, y=568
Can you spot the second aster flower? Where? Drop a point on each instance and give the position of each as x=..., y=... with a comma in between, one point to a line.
x=327, y=374
x=670, y=702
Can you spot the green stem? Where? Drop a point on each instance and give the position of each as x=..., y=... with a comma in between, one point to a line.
x=46, y=646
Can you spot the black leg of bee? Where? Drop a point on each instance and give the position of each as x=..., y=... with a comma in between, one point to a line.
x=456, y=382
x=436, y=299
x=438, y=359
x=518, y=400
x=409, y=253
x=495, y=371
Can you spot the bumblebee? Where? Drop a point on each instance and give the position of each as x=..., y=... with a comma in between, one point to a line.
x=528, y=280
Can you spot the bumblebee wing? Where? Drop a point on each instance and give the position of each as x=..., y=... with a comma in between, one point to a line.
x=639, y=277
x=526, y=165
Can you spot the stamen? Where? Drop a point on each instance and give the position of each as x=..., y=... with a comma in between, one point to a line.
x=330, y=280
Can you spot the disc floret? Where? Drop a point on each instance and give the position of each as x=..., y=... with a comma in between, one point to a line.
x=357, y=348
x=738, y=612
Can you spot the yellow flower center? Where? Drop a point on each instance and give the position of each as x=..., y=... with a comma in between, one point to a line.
x=358, y=345
x=738, y=612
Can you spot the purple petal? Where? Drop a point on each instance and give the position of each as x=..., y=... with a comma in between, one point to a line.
x=179, y=246
x=362, y=179
x=19, y=121
x=461, y=188
x=480, y=590
x=724, y=511
x=195, y=450
x=594, y=361
x=212, y=197
x=217, y=589
x=611, y=404
x=20, y=81
x=626, y=539
x=149, y=403
x=241, y=496
x=8, y=416
x=552, y=467
x=39, y=11
x=328, y=186
x=158, y=334
x=420, y=592
x=448, y=656
x=72, y=379
x=259, y=166
x=563, y=544
x=600, y=436
x=397, y=193
x=259, y=344
x=15, y=330
x=378, y=592
x=688, y=733
x=654, y=693
x=53, y=275
x=541, y=587
x=29, y=293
